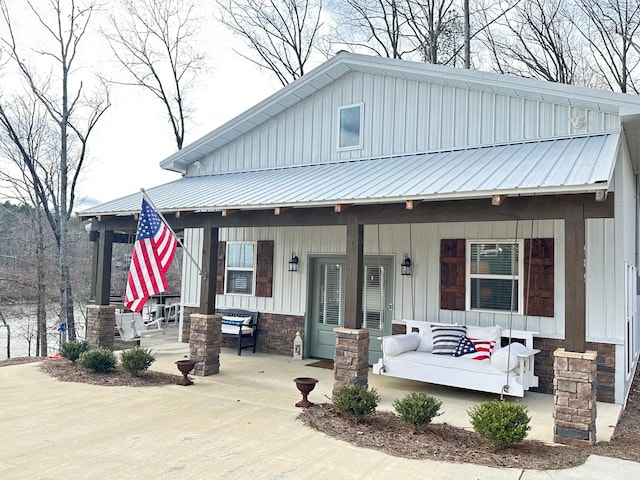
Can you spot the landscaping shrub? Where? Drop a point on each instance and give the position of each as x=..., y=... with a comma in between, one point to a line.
x=502, y=423
x=73, y=349
x=100, y=360
x=136, y=360
x=356, y=401
x=418, y=409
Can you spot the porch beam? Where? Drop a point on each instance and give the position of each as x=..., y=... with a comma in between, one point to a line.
x=517, y=208
x=210, y=267
x=354, y=273
x=574, y=309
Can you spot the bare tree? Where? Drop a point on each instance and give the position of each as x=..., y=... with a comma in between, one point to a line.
x=609, y=27
x=282, y=34
x=536, y=39
x=436, y=27
x=29, y=122
x=155, y=43
x=376, y=26
x=70, y=109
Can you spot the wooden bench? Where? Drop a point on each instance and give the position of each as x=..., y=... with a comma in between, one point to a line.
x=240, y=324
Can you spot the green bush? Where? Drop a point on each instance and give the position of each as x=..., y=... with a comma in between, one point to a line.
x=500, y=422
x=356, y=401
x=73, y=349
x=100, y=360
x=418, y=409
x=136, y=360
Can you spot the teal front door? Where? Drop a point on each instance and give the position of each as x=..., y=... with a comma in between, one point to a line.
x=327, y=303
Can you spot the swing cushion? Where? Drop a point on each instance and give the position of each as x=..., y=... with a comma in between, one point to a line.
x=505, y=359
x=397, y=344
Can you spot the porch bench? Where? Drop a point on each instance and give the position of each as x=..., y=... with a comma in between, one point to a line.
x=240, y=324
x=508, y=371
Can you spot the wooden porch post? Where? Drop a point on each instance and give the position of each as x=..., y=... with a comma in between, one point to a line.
x=102, y=278
x=574, y=247
x=354, y=273
x=210, y=268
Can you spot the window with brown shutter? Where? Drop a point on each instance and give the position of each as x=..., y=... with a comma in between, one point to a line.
x=539, y=276
x=452, y=274
x=263, y=268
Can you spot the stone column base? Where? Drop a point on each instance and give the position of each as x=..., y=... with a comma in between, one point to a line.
x=205, y=338
x=101, y=326
x=351, y=359
x=574, y=411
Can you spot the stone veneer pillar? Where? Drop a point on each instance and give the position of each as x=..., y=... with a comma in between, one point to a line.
x=101, y=326
x=575, y=410
x=205, y=338
x=351, y=360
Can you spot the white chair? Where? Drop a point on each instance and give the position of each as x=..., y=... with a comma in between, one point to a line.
x=145, y=328
x=125, y=322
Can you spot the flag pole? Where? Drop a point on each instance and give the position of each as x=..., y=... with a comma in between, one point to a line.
x=184, y=249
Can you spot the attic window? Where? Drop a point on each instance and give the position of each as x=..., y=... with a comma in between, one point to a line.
x=350, y=126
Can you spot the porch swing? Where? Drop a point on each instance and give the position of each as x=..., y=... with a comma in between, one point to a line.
x=462, y=356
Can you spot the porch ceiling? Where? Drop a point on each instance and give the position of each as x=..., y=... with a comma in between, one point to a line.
x=577, y=164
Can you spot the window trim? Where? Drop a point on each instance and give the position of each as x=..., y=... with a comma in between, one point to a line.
x=360, y=144
x=253, y=269
x=519, y=277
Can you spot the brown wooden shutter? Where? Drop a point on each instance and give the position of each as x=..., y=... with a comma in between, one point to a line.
x=452, y=274
x=264, y=269
x=538, y=276
x=222, y=253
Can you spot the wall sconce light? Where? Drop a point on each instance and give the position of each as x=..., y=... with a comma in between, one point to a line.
x=405, y=266
x=293, y=263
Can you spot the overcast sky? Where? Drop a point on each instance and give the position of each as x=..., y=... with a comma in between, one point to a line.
x=133, y=136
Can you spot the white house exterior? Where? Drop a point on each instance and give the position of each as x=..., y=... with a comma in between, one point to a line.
x=429, y=148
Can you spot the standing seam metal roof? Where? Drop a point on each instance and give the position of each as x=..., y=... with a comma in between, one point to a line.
x=559, y=165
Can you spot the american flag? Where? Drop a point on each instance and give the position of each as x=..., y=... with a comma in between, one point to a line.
x=153, y=253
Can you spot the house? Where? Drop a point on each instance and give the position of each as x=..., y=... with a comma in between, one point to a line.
x=401, y=190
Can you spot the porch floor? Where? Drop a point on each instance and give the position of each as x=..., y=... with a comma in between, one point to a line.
x=270, y=377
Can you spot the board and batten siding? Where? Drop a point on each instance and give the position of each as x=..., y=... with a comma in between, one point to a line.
x=400, y=117
x=417, y=296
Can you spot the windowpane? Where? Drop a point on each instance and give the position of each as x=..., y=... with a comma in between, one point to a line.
x=240, y=255
x=331, y=294
x=349, y=134
x=240, y=281
x=494, y=258
x=494, y=294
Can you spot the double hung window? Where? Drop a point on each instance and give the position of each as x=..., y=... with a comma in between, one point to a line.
x=494, y=276
x=240, y=268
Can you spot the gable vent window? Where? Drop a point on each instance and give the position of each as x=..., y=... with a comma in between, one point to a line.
x=350, y=126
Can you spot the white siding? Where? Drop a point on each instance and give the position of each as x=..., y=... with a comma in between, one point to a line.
x=418, y=296
x=400, y=116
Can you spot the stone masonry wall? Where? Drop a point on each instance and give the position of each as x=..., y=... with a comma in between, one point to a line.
x=351, y=358
x=276, y=332
x=101, y=326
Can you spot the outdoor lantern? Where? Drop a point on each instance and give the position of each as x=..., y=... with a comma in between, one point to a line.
x=293, y=263
x=405, y=266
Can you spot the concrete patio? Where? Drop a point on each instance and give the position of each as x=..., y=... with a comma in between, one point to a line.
x=240, y=423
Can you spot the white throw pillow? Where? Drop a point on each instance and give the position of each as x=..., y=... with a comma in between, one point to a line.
x=491, y=334
x=505, y=359
x=426, y=339
x=397, y=344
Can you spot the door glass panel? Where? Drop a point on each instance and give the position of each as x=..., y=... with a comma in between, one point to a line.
x=331, y=306
x=373, y=297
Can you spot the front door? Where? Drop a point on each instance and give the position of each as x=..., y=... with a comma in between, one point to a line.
x=327, y=303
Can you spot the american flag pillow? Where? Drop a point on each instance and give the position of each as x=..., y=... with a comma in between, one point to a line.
x=464, y=347
x=483, y=349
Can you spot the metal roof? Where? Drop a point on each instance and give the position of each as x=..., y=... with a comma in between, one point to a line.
x=574, y=164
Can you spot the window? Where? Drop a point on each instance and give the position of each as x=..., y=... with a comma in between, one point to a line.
x=240, y=271
x=493, y=281
x=350, y=127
